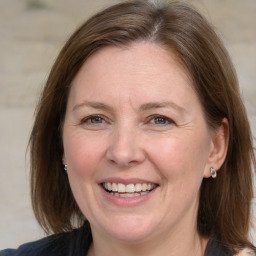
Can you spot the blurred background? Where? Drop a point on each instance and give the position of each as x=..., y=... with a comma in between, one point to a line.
x=31, y=35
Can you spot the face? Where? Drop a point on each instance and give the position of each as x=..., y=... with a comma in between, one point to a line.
x=136, y=143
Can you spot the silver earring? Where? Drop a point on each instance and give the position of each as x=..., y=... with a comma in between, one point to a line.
x=213, y=172
x=65, y=168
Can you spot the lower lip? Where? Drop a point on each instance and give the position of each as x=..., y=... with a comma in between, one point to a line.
x=127, y=201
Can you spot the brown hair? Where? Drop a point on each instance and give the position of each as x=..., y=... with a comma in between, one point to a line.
x=177, y=28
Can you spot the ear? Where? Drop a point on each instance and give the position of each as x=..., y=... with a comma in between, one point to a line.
x=219, y=148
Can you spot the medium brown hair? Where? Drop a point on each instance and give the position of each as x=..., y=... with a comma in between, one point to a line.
x=224, y=208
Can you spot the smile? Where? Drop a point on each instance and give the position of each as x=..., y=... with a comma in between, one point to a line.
x=129, y=190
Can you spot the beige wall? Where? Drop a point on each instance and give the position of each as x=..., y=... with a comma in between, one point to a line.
x=30, y=38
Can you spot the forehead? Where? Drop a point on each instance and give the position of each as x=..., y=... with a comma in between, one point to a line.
x=142, y=68
x=140, y=53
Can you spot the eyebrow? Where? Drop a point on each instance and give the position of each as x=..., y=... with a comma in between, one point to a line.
x=165, y=104
x=92, y=104
x=143, y=107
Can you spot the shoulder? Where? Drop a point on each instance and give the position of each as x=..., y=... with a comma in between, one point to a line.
x=76, y=242
x=215, y=247
x=8, y=252
x=244, y=252
x=32, y=248
x=35, y=248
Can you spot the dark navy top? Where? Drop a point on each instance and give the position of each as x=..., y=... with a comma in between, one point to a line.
x=77, y=243
x=74, y=243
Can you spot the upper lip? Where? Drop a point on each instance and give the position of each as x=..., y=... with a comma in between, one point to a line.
x=126, y=181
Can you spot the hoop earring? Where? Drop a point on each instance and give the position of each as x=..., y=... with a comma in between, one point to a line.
x=65, y=168
x=213, y=172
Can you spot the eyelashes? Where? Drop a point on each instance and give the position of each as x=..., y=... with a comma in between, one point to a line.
x=94, y=119
x=160, y=120
x=101, y=121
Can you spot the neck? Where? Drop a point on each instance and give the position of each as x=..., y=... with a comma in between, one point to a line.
x=179, y=244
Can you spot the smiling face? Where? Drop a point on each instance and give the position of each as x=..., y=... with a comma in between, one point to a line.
x=136, y=144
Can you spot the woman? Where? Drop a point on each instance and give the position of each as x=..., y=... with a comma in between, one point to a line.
x=141, y=140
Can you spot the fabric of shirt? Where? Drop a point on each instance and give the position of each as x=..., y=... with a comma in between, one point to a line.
x=214, y=248
x=74, y=243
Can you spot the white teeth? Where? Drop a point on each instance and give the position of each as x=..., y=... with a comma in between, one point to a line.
x=129, y=194
x=138, y=187
x=108, y=186
x=144, y=187
x=150, y=186
x=113, y=188
x=130, y=188
x=121, y=188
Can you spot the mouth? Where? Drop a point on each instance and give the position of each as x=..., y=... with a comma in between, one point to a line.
x=129, y=190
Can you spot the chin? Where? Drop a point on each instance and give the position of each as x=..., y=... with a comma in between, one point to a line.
x=130, y=229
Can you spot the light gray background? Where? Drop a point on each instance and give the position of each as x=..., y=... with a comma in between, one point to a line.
x=31, y=34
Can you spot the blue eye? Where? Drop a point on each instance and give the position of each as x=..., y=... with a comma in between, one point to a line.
x=94, y=119
x=160, y=120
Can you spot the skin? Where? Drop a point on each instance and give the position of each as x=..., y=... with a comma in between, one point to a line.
x=126, y=89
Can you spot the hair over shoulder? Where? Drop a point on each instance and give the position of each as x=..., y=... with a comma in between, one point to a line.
x=180, y=29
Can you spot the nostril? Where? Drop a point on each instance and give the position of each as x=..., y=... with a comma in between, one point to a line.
x=125, y=156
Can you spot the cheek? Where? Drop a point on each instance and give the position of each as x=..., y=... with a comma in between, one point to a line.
x=180, y=156
x=82, y=153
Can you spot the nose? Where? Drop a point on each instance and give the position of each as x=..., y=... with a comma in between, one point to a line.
x=124, y=148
